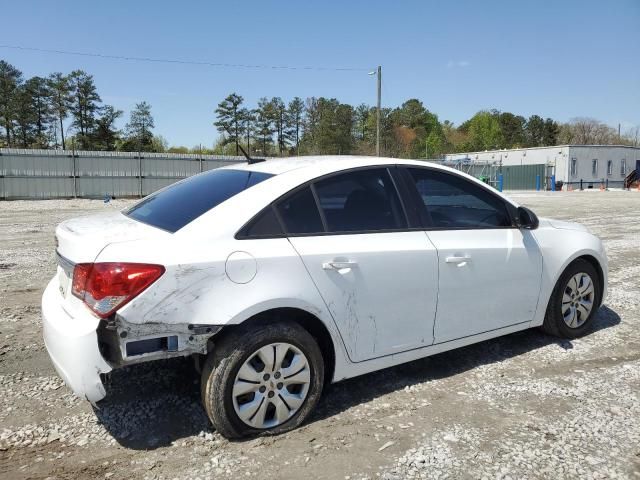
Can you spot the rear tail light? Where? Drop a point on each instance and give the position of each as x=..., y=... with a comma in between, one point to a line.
x=105, y=287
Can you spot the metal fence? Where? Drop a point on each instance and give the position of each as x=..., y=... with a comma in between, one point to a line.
x=602, y=184
x=26, y=174
x=522, y=177
x=514, y=177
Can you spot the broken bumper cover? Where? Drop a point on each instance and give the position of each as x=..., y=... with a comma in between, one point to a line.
x=72, y=344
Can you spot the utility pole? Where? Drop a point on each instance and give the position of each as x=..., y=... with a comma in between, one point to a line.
x=140, y=159
x=619, y=138
x=378, y=73
x=75, y=167
x=378, y=111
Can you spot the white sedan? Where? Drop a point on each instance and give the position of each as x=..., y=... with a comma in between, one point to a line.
x=278, y=277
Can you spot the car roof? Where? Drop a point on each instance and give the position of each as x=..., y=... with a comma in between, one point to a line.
x=289, y=173
x=324, y=163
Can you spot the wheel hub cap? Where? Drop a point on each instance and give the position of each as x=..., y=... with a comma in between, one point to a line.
x=271, y=385
x=577, y=300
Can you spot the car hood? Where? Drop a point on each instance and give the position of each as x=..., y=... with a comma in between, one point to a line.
x=564, y=225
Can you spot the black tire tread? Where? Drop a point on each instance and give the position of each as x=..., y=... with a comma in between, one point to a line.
x=230, y=351
x=553, y=322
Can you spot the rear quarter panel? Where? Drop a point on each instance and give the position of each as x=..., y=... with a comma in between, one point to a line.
x=197, y=288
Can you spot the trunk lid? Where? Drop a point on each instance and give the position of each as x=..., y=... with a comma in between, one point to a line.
x=81, y=239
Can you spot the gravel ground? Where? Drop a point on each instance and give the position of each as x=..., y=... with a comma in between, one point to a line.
x=522, y=406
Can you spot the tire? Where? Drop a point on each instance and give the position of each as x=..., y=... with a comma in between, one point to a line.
x=560, y=320
x=244, y=349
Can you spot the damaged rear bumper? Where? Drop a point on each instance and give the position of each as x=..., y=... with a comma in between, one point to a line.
x=72, y=344
x=123, y=343
x=83, y=348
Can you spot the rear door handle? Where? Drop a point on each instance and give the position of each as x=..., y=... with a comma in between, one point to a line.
x=460, y=260
x=336, y=265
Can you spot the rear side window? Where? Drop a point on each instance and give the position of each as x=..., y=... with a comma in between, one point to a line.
x=300, y=214
x=454, y=202
x=266, y=224
x=362, y=200
x=181, y=203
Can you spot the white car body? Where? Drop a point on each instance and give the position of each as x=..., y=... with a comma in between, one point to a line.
x=409, y=294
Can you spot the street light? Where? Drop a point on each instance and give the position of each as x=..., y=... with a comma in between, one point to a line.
x=378, y=73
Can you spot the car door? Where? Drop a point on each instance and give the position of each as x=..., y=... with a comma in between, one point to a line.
x=377, y=278
x=489, y=270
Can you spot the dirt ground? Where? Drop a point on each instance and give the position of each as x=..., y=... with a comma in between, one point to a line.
x=522, y=406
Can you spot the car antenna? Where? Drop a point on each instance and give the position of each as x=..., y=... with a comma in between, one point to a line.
x=250, y=160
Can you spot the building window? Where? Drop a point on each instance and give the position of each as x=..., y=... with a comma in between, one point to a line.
x=594, y=167
x=574, y=166
x=623, y=167
x=609, y=167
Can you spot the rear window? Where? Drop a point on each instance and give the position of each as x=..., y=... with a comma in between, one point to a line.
x=181, y=203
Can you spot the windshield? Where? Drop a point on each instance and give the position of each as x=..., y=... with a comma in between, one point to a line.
x=181, y=203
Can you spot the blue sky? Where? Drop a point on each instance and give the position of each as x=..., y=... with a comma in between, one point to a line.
x=561, y=59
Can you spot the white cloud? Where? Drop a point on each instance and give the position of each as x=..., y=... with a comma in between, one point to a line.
x=458, y=63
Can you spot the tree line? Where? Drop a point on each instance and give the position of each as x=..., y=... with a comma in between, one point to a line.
x=34, y=112
x=66, y=111
x=321, y=125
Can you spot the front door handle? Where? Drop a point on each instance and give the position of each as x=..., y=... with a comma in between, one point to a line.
x=460, y=260
x=338, y=265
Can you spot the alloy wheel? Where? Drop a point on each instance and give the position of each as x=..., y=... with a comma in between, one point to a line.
x=577, y=300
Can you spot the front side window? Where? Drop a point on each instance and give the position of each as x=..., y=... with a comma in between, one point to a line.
x=360, y=201
x=594, y=167
x=456, y=203
x=179, y=204
x=609, y=167
x=574, y=167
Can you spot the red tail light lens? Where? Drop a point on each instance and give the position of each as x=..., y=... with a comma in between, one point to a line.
x=105, y=287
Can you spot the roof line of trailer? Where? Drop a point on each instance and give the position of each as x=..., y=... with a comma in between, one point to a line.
x=543, y=148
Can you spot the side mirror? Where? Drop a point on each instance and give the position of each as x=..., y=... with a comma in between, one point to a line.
x=527, y=219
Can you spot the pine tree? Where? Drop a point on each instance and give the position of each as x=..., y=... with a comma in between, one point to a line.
x=60, y=100
x=278, y=110
x=550, y=132
x=264, y=127
x=105, y=135
x=295, y=114
x=140, y=136
x=25, y=118
x=247, y=127
x=361, y=118
x=84, y=105
x=10, y=80
x=41, y=105
x=229, y=118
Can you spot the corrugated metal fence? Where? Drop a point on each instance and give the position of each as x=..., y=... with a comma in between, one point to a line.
x=515, y=177
x=67, y=174
x=522, y=177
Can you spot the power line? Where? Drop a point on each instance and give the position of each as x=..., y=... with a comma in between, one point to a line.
x=185, y=62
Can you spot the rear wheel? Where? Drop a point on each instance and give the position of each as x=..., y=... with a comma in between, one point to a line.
x=262, y=379
x=574, y=301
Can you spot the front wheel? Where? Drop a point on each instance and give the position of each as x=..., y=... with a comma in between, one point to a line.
x=574, y=301
x=262, y=379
